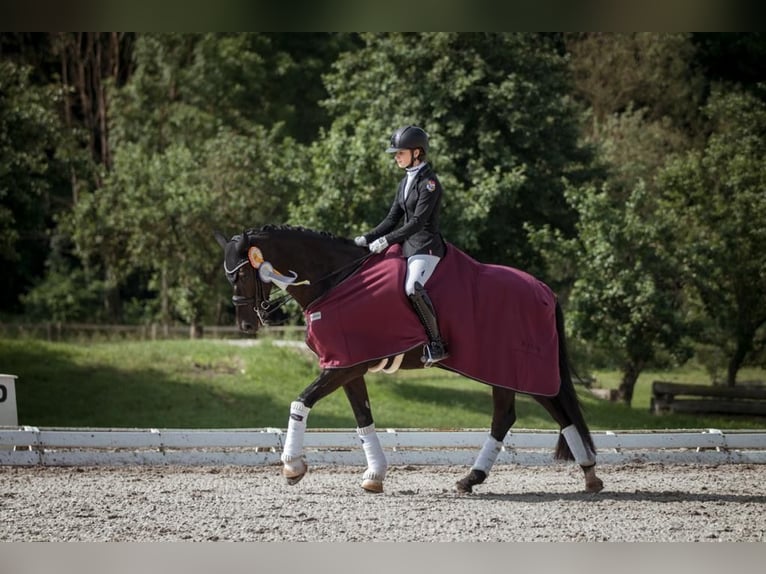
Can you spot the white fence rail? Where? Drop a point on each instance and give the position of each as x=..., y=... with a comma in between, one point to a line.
x=31, y=446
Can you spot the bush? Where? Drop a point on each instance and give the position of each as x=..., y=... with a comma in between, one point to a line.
x=63, y=297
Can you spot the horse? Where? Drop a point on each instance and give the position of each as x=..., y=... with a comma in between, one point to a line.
x=312, y=266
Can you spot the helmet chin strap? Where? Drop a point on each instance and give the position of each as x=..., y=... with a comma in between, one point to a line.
x=412, y=159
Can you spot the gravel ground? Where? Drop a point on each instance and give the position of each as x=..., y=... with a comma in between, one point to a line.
x=641, y=502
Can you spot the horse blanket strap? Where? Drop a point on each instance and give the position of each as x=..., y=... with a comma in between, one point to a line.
x=499, y=322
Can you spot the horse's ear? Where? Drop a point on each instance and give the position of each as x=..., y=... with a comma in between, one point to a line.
x=220, y=238
x=242, y=244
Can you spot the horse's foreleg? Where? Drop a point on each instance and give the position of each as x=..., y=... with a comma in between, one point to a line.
x=503, y=417
x=372, y=480
x=294, y=464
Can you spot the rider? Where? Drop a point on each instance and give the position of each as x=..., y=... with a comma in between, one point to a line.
x=417, y=201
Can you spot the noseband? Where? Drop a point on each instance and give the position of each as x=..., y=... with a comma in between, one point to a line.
x=263, y=307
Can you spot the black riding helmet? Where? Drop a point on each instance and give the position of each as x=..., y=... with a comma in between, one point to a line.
x=409, y=137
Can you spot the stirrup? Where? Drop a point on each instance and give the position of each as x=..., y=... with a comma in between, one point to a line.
x=433, y=353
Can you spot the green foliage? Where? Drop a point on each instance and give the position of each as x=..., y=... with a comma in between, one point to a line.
x=32, y=171
x=503, y=132
x=635, y=147
x=155, y=213
x=189, y=157
x=645, y=71
x=642, y=91
x=718, y=198
x=626, y=296
x=186, y=87
x=70, y=296
x=28, y=132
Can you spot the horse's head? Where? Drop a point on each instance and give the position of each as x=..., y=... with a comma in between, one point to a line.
x=258, y=259
x=249, y=290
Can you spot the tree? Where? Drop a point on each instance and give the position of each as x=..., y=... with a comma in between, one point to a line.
x=156, y=211
x=90, y=64
x=627, y=297
x=718, y=197
x=188, y=86
x=218, y=109
x=33, y=171
x=642, y=92
x=189, y=155
x=653, y=72
x=503, y=133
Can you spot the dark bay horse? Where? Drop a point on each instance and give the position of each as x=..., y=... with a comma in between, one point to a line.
x=307, y=265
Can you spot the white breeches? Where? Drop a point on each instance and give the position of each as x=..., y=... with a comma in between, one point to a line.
x=419, y=270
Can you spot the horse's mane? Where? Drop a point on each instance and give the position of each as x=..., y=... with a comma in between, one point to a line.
x=269, y=227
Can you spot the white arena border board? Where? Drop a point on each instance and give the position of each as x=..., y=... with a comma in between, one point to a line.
x=32, y=446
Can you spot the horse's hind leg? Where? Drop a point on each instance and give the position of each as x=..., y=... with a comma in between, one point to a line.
x=372, y=480
x=574, y=443
x=503, y=417
x=584, y=456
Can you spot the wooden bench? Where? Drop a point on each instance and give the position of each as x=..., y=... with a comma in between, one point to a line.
x=688, y=398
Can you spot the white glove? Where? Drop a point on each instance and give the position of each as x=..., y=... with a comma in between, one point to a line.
x=360, y=241
x=379, y=245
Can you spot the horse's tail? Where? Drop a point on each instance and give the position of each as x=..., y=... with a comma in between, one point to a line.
x=568, y=396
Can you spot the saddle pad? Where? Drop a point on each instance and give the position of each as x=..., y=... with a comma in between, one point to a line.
x=498, y=322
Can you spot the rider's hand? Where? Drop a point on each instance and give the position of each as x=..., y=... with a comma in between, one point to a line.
x=360, y=241
x=379, y=245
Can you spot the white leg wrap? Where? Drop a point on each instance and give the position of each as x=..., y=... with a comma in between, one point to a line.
x=373, y=452
x=296, y=427
x=488, y=455
x=583, y=455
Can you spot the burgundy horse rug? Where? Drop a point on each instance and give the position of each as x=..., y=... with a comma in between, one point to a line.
x=498, y=322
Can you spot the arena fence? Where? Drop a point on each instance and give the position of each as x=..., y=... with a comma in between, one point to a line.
x=56, y=331
x=32, y=446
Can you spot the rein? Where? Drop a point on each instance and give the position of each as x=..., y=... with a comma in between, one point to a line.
x=354, y=263
x=266, y=307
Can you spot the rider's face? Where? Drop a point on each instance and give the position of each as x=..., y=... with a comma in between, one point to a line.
x=404, y=157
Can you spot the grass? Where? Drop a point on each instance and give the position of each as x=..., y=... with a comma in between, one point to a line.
x=213, y=384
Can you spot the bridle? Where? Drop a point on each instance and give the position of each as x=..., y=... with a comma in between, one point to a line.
x=263, y=307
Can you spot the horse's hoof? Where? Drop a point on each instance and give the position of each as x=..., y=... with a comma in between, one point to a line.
x=371, y=485
x=464, y=486
x=592, y=482
x=293, y=473
x=594, y=485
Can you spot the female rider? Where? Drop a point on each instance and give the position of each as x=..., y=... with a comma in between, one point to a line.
x=417, y=203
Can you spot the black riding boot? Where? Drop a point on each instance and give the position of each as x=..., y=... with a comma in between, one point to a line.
x=435, y=350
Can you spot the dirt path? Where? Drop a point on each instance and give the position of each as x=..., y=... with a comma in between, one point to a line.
x=647, y=502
